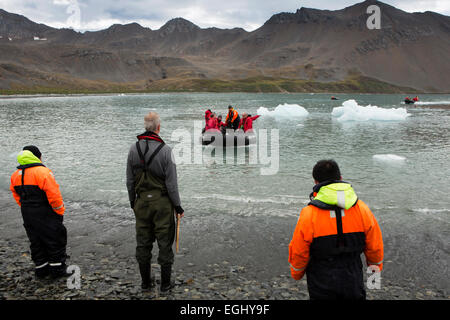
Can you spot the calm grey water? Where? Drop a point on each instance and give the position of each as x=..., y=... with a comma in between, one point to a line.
x=85, y=141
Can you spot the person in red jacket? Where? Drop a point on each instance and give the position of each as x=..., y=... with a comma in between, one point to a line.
x=416, y=98
x=207, y=115
x=220, y=122
x=212, y=123
x=331, y=233
x=246, y=122
x=36, y=192
x=222, y=125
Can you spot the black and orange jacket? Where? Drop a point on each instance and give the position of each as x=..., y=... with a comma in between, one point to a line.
x=231, y=116
x=334, y=222
x=33, y=184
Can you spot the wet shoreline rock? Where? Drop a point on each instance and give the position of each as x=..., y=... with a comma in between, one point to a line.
x=115, y=279
x=225, y=263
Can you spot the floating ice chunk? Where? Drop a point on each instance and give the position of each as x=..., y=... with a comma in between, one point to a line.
x=351, y=111
x=430, y=103
x=427, y=210
x=389, y=157
x=284, y=111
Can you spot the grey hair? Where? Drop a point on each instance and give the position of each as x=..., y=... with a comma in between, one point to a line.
x=152, y=121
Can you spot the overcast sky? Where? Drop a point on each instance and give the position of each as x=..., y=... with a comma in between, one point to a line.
x=247, y=14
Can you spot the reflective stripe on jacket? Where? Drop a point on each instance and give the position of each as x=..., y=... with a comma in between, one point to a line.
x=34, y=185
x=316, y=235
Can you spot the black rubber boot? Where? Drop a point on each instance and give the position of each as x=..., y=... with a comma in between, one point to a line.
x=145, y=271
x=58, y=271
x=166, y=284
x=42, y=272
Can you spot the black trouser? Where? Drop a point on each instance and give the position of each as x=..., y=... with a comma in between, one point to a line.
x=334, y=279
x=235, y=123
x=47, y=234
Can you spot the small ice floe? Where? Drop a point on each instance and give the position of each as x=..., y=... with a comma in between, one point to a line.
x=389, y=158
x=430, y=103
x=428, y=210
x=284, y=111
x=351, y=111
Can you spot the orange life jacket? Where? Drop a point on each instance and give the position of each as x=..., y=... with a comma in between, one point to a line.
x=323, y=232
x=34, y=185
x=232, y=115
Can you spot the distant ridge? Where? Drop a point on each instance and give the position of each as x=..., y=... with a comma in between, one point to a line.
x=410, y=52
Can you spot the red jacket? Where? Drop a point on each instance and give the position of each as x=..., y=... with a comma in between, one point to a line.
x=247, y=123
x=212, y=124
x=207, y=115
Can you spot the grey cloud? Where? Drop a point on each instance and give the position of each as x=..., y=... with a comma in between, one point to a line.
x=132, y=16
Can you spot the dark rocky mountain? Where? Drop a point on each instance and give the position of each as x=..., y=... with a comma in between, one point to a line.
x=410, y=50
x=18, y=27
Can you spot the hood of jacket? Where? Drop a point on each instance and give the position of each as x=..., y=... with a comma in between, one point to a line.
x=26, y=157
x=334, y=194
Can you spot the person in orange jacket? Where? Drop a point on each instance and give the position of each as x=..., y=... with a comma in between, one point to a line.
x=36, y=192
x=232, y=120
x=331, y=233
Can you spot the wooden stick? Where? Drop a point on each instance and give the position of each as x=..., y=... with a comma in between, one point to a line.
x=178, y=232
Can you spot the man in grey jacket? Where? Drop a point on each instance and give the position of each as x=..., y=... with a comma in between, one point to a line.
x=154, y=197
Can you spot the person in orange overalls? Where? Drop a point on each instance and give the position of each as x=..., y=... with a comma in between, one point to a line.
x=331, y=233
x=36, y=192
x=232, y=120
